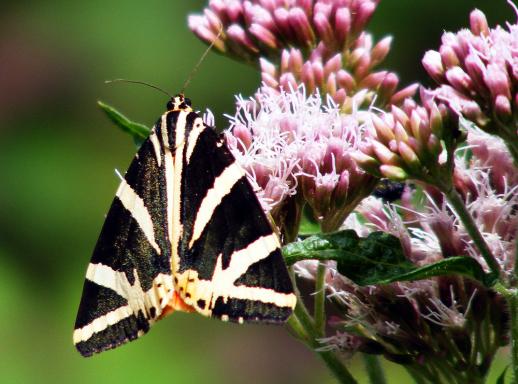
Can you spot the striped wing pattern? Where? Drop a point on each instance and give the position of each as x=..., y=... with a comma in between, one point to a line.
x=184, y=232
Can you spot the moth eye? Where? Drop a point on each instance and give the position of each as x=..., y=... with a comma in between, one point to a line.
x=187, y=101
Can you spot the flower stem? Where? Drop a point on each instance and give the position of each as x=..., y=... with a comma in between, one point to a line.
x=470, y=226
x=374, y=369
x=320, y=299
x=512, y=300
x=303, y=326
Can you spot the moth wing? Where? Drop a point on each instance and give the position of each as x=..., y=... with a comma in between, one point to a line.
x=128, y=281
x=230, y=263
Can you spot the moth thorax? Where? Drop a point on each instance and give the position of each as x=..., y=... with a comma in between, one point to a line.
x=178, y=103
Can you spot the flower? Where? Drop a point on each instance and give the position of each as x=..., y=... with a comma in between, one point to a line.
x=477, y=72
x=347, y=76
x=426, y=324
x=258, y=28
x=297, y=150
x=321, y=44
x=413, y=142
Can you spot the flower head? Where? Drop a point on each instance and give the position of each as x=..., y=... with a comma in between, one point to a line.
x=477, y=72
x=297, y=149
x=321, y=44
x=257, y=28
x=415, y=141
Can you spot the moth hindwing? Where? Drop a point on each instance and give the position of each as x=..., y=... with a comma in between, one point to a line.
x=184, y=232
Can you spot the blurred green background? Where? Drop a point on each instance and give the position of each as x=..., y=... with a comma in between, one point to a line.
x=57, y=159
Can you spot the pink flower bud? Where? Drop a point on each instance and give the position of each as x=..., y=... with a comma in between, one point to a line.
x=213, y=20
x=432, y=63
x=333, y=64
x=264, y=35
x=345, y=80
x=368, y=163
x=234, y=10
x=340, y=96
x=243, y=136
x=308, y=77
x=331, y=86
x=409, y=157
x=299, y=22
x=436, y=123
x=373, y=80
x=285, y=58
x=385, y=155
x=434, y=145
x=407, y=92
x=267, y=67
x=476, y=70
x=502, y=107
x=238, y=35
x=388, y=86
x=323, y=28
x=416, y=125
x=342, y=25
x=400, y=116
x=287, y=81
x=318, y=73
x=448, y=56
x=323, y=8
x=383, y=130
x=400, y=133
x=380, y=50
x=459, y=80
x=281, y=17
x=363, y=15
x=497, y=81
x=478, y=23
x=269, y=80
x=296, y=61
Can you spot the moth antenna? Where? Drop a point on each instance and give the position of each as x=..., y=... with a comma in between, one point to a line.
x=138, y=82
x=196, y=67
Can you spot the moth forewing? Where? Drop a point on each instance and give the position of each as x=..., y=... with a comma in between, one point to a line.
x=184, y=232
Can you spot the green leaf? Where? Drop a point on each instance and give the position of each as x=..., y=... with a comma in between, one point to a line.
x=377, y=259
x=308, y=224
x=501, y=378
x=138, y=131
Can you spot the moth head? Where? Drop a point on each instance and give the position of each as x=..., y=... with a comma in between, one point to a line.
x=179, y=102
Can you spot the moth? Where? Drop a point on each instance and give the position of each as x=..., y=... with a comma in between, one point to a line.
x=185, y=232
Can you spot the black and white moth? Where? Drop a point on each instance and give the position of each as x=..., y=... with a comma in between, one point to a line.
x=184, y=232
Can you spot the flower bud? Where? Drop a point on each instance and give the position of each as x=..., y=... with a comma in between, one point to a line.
x=392, y=172
x=299, y=22
x=264, y=35
x=478, y=23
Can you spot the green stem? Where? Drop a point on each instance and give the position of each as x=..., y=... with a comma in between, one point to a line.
x=305, y=330
x=415, y=375
x=513, y=312
x=336, y=366
x=374, y=369
x=516, y=258
x=303, y=326
x=297, y=329
x=320, y=299
x=470, y=226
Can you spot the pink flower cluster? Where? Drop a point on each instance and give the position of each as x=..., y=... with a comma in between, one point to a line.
x=319, y=43
x=412, y=142
x=477, y=72
x=258, y=28
x=297, y=149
